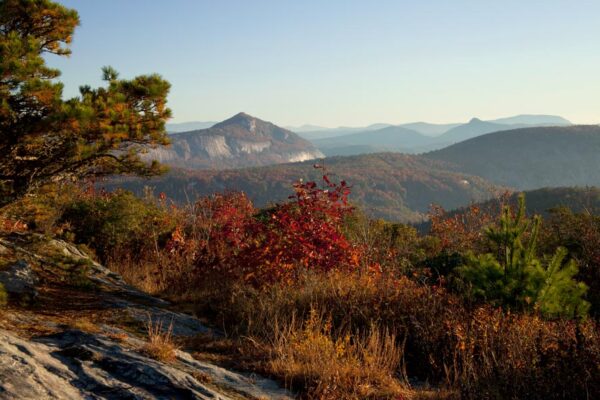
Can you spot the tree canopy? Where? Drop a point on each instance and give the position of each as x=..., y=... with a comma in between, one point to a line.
x=45, y=138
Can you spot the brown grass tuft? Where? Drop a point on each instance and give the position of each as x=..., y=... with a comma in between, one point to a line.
x=160, y=345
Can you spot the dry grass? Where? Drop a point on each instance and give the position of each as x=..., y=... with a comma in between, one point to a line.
x=471, y=352
x=160, y=344
x=85, y=325
x=118, y=336
x=142, y=273
x=309, y=356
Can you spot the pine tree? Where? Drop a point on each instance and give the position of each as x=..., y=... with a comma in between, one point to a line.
x=513, y=276
x=561, y=294
x=44, y=138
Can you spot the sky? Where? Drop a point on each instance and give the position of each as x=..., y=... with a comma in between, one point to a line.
x=345, y=62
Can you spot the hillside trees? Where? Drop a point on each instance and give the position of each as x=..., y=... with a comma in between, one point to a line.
x=47, y=139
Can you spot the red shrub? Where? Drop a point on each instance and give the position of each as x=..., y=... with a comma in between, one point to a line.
x=305, y=233
x=227, y=237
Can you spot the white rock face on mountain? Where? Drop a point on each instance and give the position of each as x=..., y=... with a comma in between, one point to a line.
x=301, y=156
x=252, y=147
x=241, y=141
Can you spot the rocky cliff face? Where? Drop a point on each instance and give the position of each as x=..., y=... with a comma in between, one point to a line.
x=241, y=141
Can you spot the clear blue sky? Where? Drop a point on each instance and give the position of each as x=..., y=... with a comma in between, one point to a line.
x=347, y=62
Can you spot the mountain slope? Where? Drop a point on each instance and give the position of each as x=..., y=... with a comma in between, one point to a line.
x=530, y=158
x=335, y=132
x=475, y=127
x=394, y=186
x=538, y=202
x=240, y=141
x=429, y=129
x=541, y=201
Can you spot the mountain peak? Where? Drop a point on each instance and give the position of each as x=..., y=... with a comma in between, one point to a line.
x=240, y=141
x=240, y=117
x=242, y=114
x=243, y=120
x=475, y=120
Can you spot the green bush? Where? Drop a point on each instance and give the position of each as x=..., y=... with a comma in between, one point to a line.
x=109, y=221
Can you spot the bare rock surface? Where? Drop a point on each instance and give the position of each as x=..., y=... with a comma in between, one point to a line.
x=109, y=362
x=20, y=280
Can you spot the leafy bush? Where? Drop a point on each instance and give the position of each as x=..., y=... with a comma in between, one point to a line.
x=515, y=277
x=107, y=222
x=385, y=246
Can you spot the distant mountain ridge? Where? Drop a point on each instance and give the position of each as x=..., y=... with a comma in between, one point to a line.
x=240, y=141
x=391, y=138
x=475, y=127
x=421, y=137
x=533, y=119
x=189, y=126
x=429, y=129
x=324, y=133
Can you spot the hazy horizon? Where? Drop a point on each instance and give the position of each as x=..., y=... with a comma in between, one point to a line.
x=348, y=63
x=309, y=124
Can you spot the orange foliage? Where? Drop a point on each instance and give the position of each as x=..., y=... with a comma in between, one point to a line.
x=459, y=231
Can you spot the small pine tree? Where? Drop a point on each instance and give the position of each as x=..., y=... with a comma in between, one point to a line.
x=516, y=278
x=561, y=294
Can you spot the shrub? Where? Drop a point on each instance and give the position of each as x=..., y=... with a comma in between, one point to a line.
x=40, y=212
x=387, y=246
x=229, y=239
x=107, y=222
x=260, y=276
x=459, y=231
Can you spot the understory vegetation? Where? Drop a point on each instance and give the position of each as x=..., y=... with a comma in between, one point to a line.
x=490, y=303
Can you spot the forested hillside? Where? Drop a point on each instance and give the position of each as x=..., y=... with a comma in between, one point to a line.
x=393, y=186
x=530, y=158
